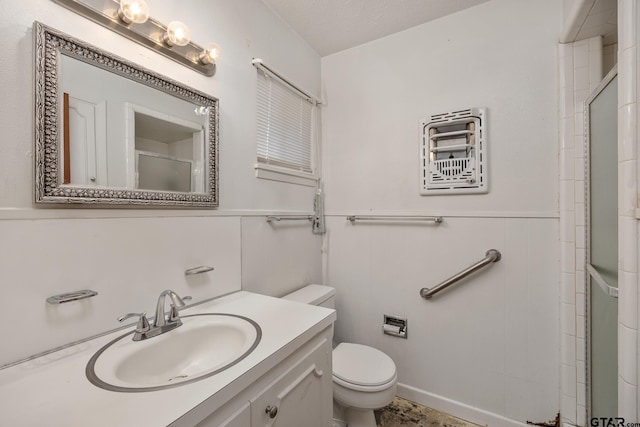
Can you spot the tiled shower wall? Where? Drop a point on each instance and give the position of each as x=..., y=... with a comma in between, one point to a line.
x=628, y=39
x=579, y=65
x=580, y=72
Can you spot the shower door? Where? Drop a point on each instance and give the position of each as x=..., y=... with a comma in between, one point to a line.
x=602, y=247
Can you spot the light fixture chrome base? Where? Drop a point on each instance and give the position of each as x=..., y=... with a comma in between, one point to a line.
x=149, y=34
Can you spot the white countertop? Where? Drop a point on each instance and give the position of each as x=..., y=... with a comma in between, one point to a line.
x=53, y=390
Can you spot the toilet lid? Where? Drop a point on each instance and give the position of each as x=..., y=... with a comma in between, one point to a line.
x=362, y=365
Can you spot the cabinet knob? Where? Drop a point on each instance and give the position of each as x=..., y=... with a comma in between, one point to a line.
x=272, y=411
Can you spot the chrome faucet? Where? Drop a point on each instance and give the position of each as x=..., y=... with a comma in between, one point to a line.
x=161, y=324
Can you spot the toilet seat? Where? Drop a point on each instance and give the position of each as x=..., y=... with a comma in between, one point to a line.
x=363, y=368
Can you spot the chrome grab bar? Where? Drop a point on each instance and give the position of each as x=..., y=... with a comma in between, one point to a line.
x=272, y=218
x=492, y=255
x=354, y=218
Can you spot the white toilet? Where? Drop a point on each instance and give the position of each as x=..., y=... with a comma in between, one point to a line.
x=364, y=378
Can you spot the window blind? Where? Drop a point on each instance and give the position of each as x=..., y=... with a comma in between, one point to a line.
x=285, y=125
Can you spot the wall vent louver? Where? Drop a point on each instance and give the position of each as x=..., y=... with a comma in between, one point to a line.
x=453, y=151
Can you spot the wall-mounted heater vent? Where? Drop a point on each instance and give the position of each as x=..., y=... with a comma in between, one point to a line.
x=454, y=153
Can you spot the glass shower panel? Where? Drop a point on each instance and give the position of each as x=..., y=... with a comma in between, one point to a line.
x=603, y=249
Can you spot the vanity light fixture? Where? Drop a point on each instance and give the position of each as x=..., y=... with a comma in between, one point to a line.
x=130, y=18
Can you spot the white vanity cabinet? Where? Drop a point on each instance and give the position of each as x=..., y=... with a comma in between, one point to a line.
x=296, y=392
x=289, y=373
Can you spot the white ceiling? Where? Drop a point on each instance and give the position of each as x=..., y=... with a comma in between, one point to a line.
x=330, y=26
x=601, y=20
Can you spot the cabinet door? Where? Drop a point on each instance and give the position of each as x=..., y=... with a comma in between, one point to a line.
x=240, y=418
x=300, y=397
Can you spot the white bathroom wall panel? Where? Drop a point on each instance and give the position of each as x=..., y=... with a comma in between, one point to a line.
x=489, y=342
x=283, y=256
x=493, y=55
x=487, y=349
x=129, y=262
x=130, y=255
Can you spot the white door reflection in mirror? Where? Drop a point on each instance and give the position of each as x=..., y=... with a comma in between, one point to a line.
x=86, y=137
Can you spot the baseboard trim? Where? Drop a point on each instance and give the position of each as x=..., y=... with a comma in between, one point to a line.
x=457, y=409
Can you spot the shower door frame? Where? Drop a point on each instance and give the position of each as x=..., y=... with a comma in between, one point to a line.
x=613, y=73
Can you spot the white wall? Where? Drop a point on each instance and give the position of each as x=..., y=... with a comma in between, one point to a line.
x=128, y=261
x=283, y=256
x=487, y=350
x=130, y=255
x=245, y=29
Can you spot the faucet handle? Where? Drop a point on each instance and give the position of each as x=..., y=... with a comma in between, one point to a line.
x=179, y=301
x=143, y=322
x=173, y=314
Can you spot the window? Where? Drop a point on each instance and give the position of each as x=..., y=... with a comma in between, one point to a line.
x=285, y=130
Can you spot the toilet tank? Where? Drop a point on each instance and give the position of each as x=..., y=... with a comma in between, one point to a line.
x=320, y=295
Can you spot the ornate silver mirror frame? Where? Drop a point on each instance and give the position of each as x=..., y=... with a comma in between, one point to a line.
x=49, y=45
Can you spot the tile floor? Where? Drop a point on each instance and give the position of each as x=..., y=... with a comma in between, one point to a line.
x=403, y=413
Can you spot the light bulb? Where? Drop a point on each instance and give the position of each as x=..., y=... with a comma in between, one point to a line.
x=177, y=34
x=135, y=11
x=210, y=54
x=201, y=110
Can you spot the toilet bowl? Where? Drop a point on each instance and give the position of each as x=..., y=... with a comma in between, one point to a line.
x=364, y=378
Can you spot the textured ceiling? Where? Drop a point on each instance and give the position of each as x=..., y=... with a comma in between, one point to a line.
x=330, y=26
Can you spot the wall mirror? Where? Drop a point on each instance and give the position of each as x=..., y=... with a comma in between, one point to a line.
x=113, y=133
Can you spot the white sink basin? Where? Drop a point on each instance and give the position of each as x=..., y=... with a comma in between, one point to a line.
x=203, y=346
